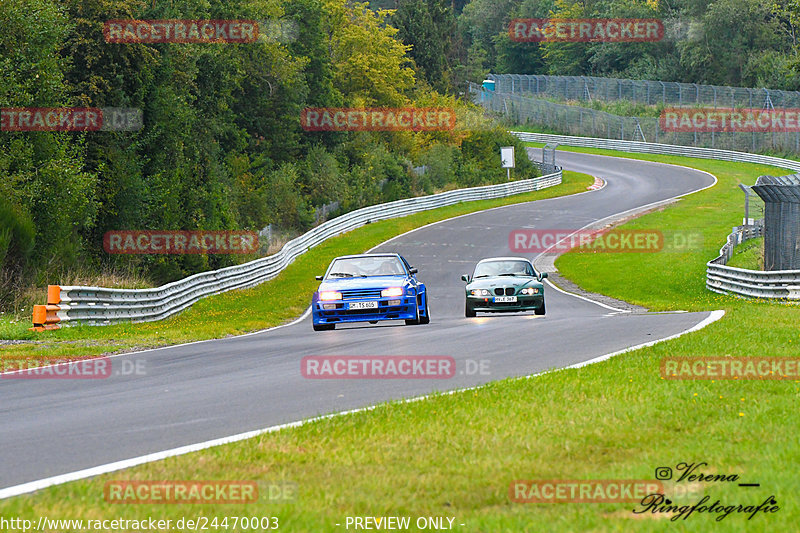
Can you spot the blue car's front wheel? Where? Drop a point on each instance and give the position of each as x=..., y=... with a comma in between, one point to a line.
x=324, y=327
x=421, y=319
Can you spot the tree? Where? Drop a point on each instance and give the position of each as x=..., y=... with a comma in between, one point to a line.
x=428, y=27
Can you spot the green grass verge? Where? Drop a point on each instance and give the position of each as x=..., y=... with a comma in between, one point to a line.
x=269, y=304
x=749, y=254
x=455, y=455
x=674, y=278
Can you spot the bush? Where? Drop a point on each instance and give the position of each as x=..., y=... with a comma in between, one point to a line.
x=17, y=237
x=441, y=161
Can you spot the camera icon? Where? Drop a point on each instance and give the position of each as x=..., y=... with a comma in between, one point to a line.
x=663, y=473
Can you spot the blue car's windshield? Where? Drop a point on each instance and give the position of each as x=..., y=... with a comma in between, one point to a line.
x=503, y=268
x=362, y=267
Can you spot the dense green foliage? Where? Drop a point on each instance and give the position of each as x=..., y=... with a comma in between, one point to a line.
x=746, y=43
x=221, y=146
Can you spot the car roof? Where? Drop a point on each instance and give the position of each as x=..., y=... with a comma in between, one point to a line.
x=504, y=259
x=390, y=254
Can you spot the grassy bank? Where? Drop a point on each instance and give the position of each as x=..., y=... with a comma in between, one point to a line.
x=749, y=254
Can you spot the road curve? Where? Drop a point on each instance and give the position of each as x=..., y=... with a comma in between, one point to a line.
x=207, y=390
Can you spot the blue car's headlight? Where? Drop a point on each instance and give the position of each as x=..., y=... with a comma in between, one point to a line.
x=330, y=295
x=392, y=291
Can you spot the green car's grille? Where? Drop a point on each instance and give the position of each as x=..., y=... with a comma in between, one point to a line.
x=508, y=291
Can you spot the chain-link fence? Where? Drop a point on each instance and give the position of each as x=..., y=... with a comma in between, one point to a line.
x=576, y=120
x=587, y=88
x=753, y=206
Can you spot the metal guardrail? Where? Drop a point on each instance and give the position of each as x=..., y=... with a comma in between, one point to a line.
x=720, y=278
x=723, y=279
x=656, y=148
x=103, y=306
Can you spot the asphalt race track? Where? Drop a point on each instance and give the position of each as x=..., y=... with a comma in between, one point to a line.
x=202, y=391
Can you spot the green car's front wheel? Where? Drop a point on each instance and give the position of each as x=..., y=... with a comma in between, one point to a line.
x=540, y=310
x=468, y=311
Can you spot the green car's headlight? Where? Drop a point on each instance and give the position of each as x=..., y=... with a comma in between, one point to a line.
x=530, y=290
x=479, y=292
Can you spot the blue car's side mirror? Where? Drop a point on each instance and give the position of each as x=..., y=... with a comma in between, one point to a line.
x=412, y=270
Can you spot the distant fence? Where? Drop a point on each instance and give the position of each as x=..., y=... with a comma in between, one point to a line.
x=643, y=91
x=577, y=120
x=103, y=306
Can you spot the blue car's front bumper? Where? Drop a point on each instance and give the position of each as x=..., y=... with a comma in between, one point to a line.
x=342, y=313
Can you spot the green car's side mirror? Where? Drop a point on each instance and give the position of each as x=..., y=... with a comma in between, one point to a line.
x=465, y=277
x=319, y=278
x=542, y=275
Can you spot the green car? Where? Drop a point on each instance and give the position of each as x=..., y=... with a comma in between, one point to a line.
x=504, y=284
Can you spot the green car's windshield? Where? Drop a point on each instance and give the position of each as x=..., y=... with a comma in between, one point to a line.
x=503, y=268
x=362, y=267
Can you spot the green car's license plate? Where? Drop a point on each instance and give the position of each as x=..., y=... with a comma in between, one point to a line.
x=505, y=299
x=363, y=305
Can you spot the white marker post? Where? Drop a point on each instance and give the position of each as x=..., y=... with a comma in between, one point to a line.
x=507, y=158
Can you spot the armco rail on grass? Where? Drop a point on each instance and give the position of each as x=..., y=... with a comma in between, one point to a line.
x=720, y=278
x=102, y=306
x=723, y=279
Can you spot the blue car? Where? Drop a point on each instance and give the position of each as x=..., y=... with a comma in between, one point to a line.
x=369, y=288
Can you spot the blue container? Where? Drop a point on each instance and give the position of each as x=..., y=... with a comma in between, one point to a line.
x=488, y=85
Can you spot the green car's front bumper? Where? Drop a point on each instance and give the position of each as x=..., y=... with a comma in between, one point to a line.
x=487, y=304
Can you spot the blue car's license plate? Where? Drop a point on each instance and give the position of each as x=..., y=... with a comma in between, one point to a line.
x=363, y=305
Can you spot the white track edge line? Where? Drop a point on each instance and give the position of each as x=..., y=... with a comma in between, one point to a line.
x=33, y=486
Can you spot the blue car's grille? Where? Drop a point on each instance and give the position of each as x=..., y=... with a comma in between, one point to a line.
x=357, y=294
